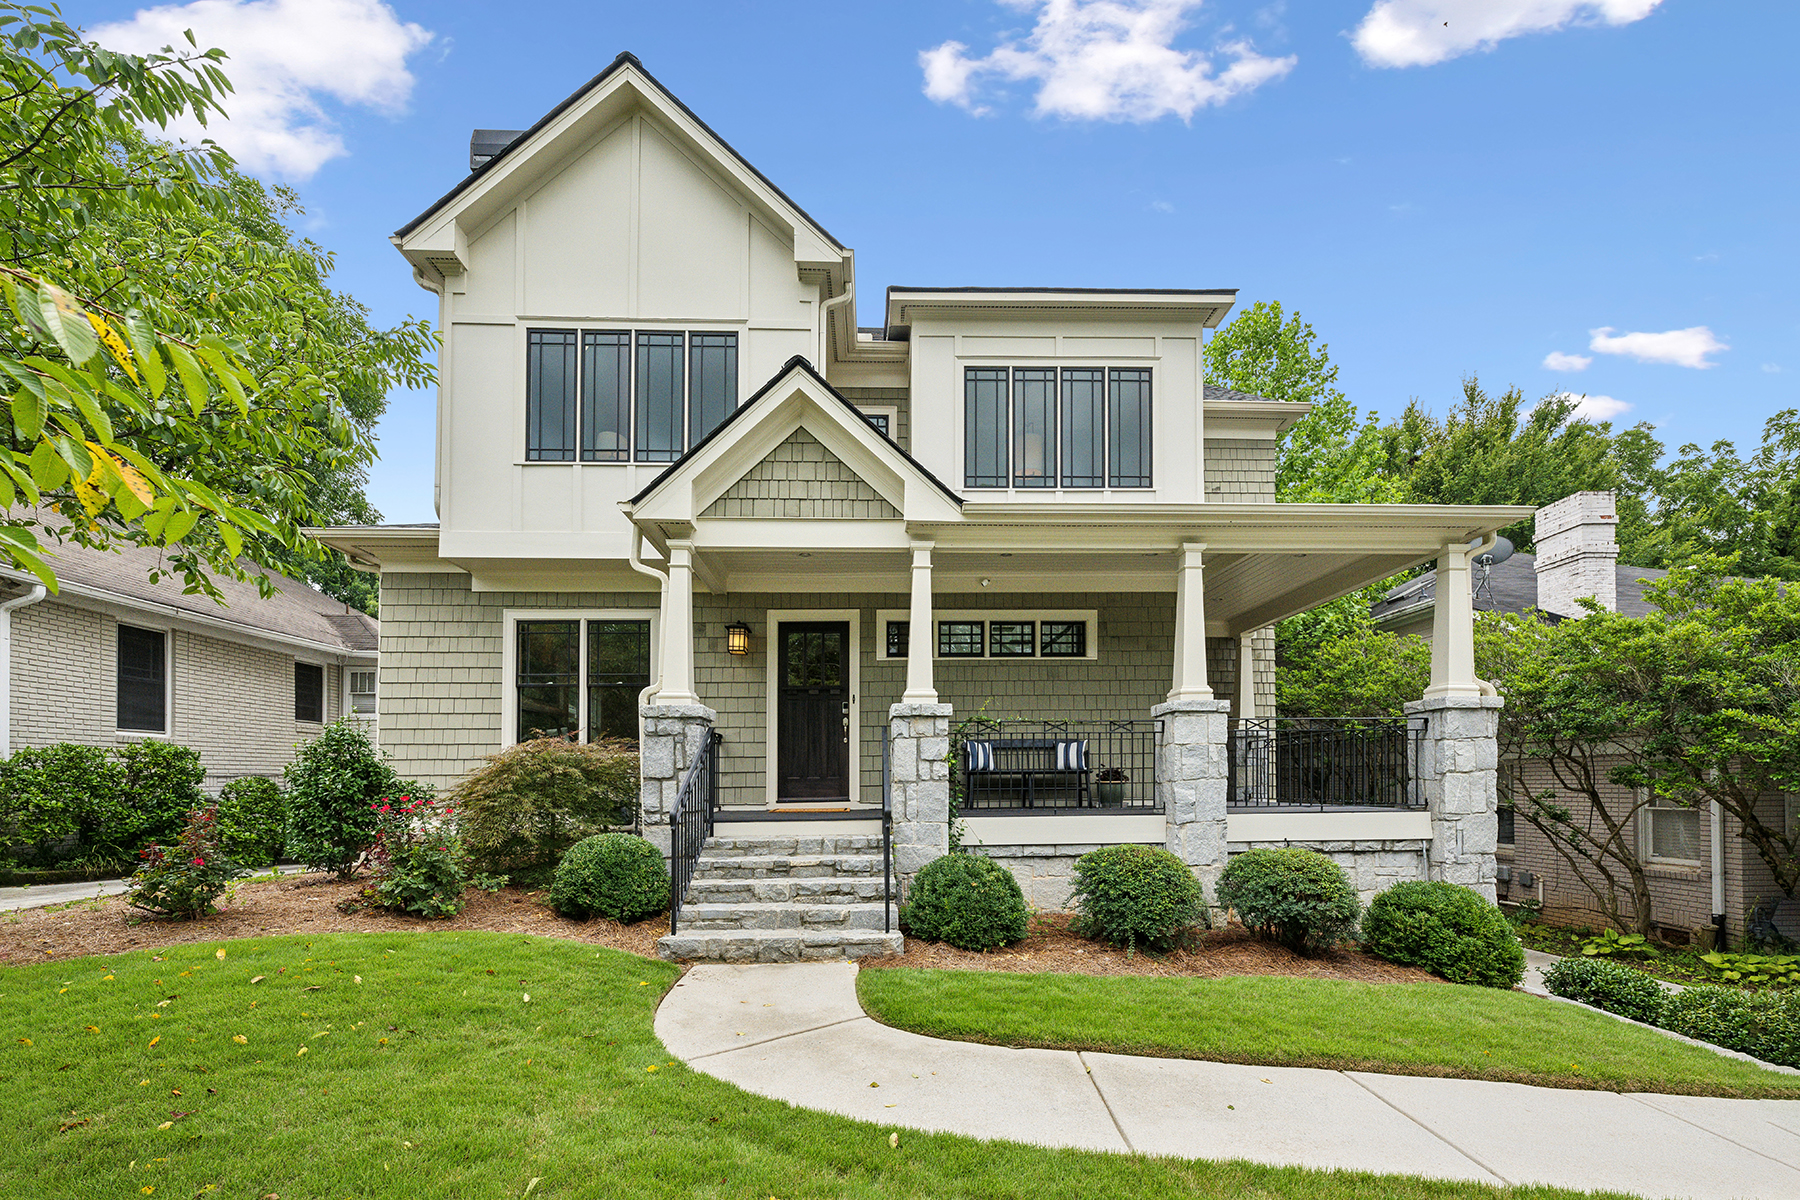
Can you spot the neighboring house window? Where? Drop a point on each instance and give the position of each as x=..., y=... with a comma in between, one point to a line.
x=984, y=427
x=550, y=406
x=362, y=691
x=552, y=674
x=1040, y=427
x=309, y=692
x=617, y=395
x=993, y=635
x=1503, y=778
x=143, y=681
x=618, y=671
x=1670, y=832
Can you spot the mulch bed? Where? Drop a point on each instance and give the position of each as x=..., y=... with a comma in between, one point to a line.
x=308, y=904
x=293, y=904
x=1219, y=953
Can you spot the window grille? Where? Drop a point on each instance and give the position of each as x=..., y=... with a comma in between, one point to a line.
x=362, y=691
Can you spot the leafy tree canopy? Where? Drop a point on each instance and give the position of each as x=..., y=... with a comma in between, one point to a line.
x=181, y=376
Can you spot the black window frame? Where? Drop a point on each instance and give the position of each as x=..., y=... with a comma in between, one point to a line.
x=613, y=698
x=1082, y=416
x=987, y=396
x=899, y=639
x=1011, y=647
x=1049, y=649
x=882, y=422
x=962, y=631
x=134, y=684
x=604, y=392
x=1129, y=442
x=309, y=692
x=1045, y=405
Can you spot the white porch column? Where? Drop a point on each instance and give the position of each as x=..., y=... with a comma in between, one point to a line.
x=1453, y=628
x=1246, y=676
x=678, y=629
x=1190, y=627
x=921, y=633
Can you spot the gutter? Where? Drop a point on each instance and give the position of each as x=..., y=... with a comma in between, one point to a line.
x=38, y=592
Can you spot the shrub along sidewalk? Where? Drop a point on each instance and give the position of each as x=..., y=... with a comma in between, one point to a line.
x=1402, y=1029
x=463, y=1064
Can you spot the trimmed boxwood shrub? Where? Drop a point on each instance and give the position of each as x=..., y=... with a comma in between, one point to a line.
x=1446, y=929
x=971, y=902
x=1610, y=985
x=612, y=875
x=1299, y=898
x=1131, y=894
x=64, y=805
x=161, y=786
x=1764, y=1025
x=252, y=820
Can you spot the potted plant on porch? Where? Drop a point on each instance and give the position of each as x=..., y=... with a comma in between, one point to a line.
x=1109, y=786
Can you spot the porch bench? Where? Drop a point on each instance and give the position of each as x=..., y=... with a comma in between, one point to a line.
x=1034, y=772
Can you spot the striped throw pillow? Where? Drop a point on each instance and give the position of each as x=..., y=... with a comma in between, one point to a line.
x=1071, y=756
x=981, y=756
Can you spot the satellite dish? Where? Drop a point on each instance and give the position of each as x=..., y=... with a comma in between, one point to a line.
x=1499, y=553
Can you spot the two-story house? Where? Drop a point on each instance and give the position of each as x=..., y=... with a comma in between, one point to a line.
x=682, y=497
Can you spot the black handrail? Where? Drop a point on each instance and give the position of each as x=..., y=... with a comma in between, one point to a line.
x=691, y=821
x=1320, y=763
x=887, y=841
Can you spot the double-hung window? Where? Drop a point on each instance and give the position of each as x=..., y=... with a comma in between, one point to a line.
x=1670, y=832
x=617, y=395
x=362, y=692
x=1047, y=427
x=576, y=676
x=143, y=680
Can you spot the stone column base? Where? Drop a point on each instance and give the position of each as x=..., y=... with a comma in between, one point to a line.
x=673, y=737
x=1456, y=771
x=919, y=775
x=1192, y=752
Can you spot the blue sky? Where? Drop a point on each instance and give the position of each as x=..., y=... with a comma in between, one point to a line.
x=1436, y=199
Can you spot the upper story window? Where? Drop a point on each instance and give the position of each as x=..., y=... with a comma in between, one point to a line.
x=612, y=395
x=1044, y=427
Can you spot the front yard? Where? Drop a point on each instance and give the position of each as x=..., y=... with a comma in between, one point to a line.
x=463, y=1064
x=1396, y=1028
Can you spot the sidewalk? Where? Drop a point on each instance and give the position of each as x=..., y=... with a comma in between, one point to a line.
x=43, y=894
x=796, y=1032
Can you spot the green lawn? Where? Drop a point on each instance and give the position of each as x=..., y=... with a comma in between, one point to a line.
x=1406, y=1029
x=435, y=1077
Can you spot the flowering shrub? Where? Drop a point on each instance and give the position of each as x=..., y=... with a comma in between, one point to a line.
x=419, y=862
x=184, y=879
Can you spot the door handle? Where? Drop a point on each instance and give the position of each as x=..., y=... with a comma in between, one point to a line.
x=846, y=731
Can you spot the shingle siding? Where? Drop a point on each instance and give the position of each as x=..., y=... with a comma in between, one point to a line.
x=800, y=479
x=1240, y=470
x=232, y=702
x=899, y=399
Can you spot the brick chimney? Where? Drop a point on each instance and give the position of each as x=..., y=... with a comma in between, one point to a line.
x=1577, y=553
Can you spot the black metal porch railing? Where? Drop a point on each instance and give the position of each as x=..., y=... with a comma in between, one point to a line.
x=1307, y=762
x=691, y=821
x=887, y=840
x=1055, y=766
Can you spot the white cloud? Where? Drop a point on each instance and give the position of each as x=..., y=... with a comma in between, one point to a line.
x=1677, y=347
x=1110, y=60
x=1161, y=206
x=1556, y=360
x=1417, y=33
x=1596, y=408
x=286, y=56
x=1771, y=368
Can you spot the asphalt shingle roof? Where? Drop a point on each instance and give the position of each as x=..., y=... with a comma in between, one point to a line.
x=1512, y=588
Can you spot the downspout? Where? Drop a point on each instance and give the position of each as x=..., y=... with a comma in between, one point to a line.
x=38, y=592
x=825, y=312
x=636, y=560
x=1718, y=875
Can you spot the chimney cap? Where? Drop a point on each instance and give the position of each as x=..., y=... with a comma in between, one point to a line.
x=487, y=143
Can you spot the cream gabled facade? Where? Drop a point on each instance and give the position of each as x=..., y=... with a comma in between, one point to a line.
x=672, y=470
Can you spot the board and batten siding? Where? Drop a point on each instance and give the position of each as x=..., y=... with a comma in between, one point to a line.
x=232, y=702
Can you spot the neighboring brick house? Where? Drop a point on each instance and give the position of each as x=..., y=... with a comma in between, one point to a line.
x=1695, y=873
x=683, y=498
x=113, y=658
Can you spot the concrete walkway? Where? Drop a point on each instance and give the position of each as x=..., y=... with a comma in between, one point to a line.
x=796, y=1032
x=43, y=894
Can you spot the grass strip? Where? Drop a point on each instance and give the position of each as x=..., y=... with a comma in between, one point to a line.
x=1396, y=1028
x=469, y=1064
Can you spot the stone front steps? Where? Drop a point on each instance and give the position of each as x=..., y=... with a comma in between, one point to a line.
x=785, y=899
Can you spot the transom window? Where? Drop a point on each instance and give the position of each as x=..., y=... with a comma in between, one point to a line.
x=614, y=395
x=1045, y=427
x=565, y=689
x=994, y=635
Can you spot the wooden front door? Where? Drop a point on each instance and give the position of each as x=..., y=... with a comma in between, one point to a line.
x=812, y=751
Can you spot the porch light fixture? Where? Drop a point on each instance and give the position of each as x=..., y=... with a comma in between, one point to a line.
x=737, y=638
